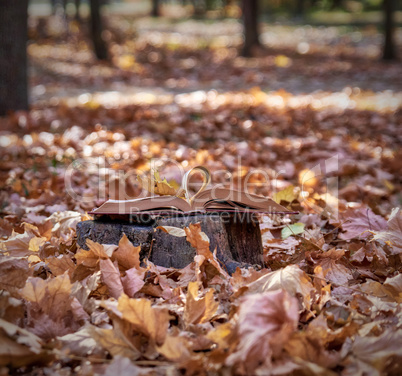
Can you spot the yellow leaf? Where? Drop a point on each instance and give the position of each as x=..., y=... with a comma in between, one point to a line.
x=288, y=194
x=155, y=185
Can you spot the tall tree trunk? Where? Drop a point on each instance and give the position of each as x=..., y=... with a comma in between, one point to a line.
x=97, y=29
x=389, y=26
x=155, y=9
x=250, y=22
x=13, y=55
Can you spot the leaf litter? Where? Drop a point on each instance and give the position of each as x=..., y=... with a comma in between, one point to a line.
x=328, y=300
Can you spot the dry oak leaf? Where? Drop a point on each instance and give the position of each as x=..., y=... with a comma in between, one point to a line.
x=288, y=194
x=18, y=347
x=199, y=310
x=291, y=278
x=14, y=272
x=65, y=223
x=127, y=255
x=150, y=321
x=20, y=245
x=359, y=222
x=393, y=234
x=91, y=258
x=80, y=343
x=266, y=321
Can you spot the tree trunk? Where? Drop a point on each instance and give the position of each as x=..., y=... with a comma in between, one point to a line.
x=336, y=4
x=250, y=22
x=389, y=26
x=13, y=55
x=96, y=31
x=155, y=9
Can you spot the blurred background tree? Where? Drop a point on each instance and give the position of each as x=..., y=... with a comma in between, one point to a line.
x=13, y=55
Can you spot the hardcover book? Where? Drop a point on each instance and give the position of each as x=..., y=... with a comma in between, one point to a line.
x=206, y=200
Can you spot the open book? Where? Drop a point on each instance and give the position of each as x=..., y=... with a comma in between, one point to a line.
x=206, y=200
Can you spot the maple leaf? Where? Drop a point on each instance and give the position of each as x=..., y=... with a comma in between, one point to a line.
x=175, y=348
x=133, y=281
x=52, y=310
x=14, y=271
x=111, y=277
x=91, y=258
x=127, y=255
x=20, y=245
x=115, y=342
x=122, y=366
x=266, y=321
x=151, y=321
x=291, y=278
x=199, y=310
x=376, y=351
x=288, y=194
x=18, y=347
x=61, y=264
x=393, y=234
x=357, y=223
x=155, y=185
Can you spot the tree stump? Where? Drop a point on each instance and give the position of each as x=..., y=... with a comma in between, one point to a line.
x=237, y=239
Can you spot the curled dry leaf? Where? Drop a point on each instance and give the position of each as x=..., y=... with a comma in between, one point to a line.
x=357, y=223
x=291, y=278
x=199, y=310
x=151, y=321
x=266, y=322
x=393, y=233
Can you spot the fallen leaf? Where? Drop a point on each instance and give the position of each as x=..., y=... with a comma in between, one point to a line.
x=151, y=321
x=199, y=310
x=111, y=277
x=126, y=254
x=266, y=321
x=393, y=234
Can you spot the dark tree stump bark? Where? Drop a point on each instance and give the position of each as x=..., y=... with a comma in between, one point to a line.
x=13, y=55
x=236, y=239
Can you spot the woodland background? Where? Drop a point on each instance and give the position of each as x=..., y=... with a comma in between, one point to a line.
x=317, y=83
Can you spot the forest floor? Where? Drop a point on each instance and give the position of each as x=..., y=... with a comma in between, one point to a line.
x=313, y=120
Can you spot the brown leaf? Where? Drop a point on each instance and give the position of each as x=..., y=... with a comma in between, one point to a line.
x=133, y=281
x=91, y=258
x=151, y=321
x=126, y=254
x=111, y=277
x=61, y=264
x=199, y=310
x=114, y=342
x=14, y=271
x=393, y=233
x=266, y=322
x=18, y=347
x=291, y=278
x=21, y=245
x=359, y=222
